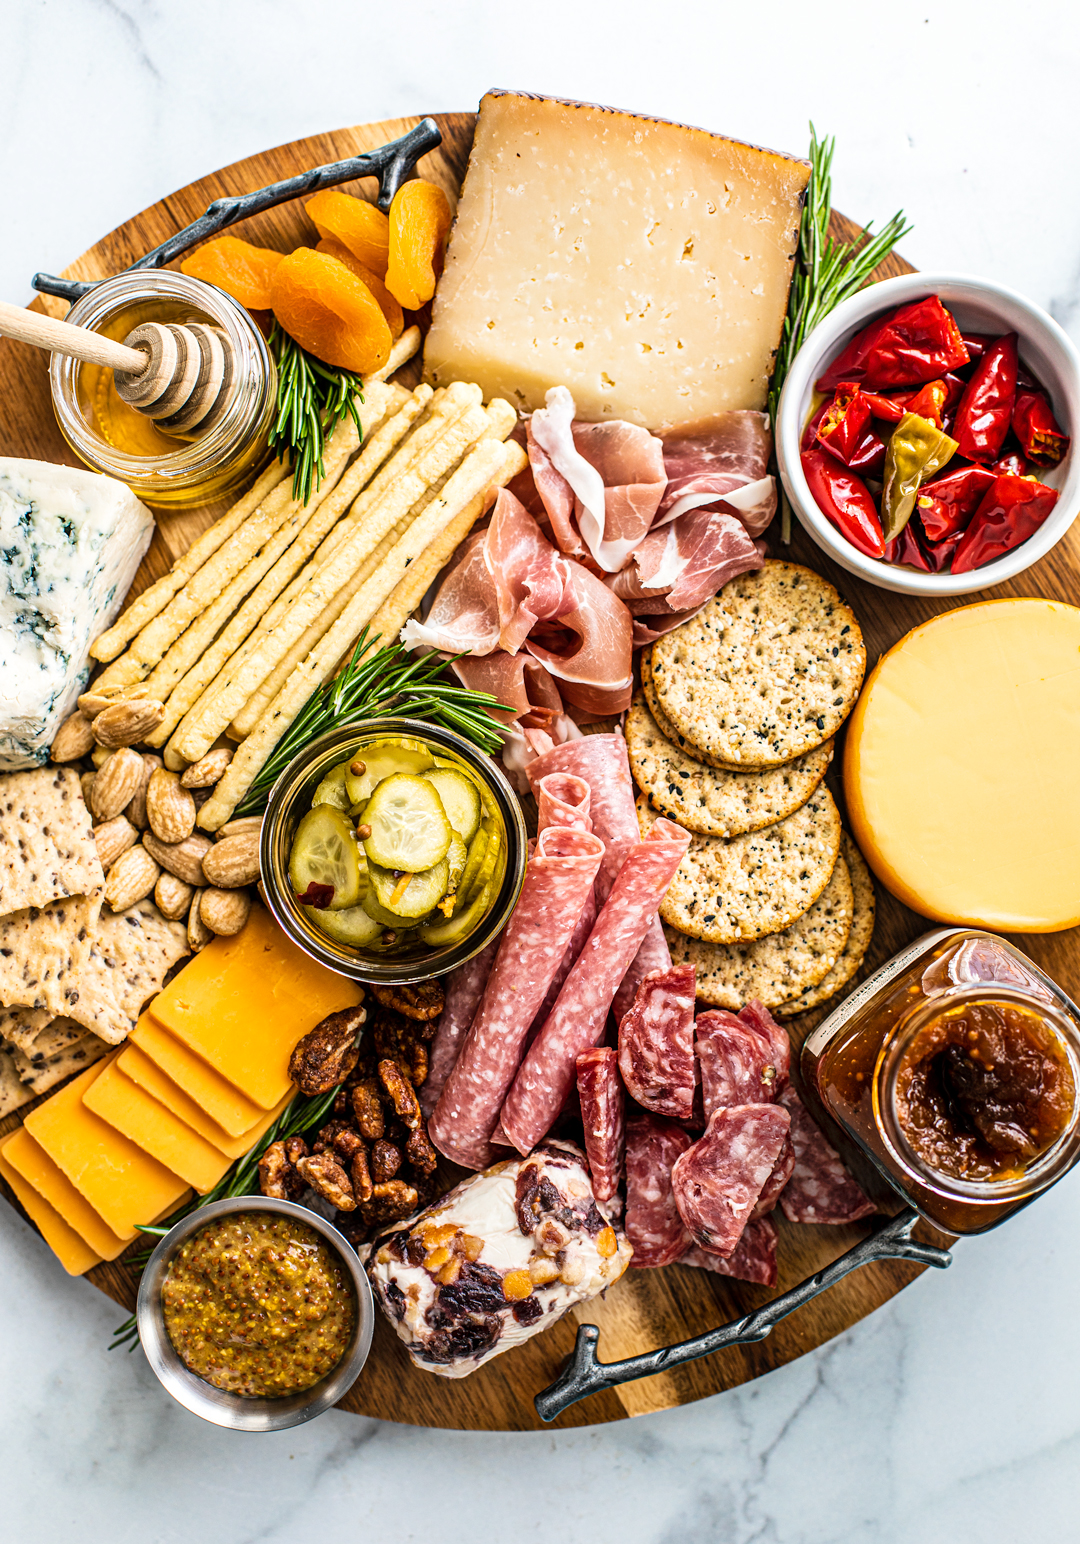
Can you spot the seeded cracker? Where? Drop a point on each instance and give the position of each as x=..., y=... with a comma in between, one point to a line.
x=768, y=670
x=42, y=951
x=37, y=1033
x=47, y=848
x=13, y=1094
x=39, y=1077
x=858, y=940
x=130, y=956
x=755, y=884
x=707, y=800
x=667, y=728
x=777, y=968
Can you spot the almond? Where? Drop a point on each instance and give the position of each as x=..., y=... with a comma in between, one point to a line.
x=233, y=862
x=136, y=810
x=112, y=838
x=224, y=911
x=173, y=897
x=174, y=761
x=199, y=935
x=97, y=698
x=100, y=755
x=114, y=786
x=205, y=773
x=125, y=723
x=131, y=878
x=86, y=782
x=239, y=827
x=74, y=739
x=184, y=859
x=170, y=809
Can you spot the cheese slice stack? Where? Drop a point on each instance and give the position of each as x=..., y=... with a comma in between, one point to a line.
x=203, y=1077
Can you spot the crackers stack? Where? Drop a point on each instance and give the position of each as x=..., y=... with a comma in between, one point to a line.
x=731, y=738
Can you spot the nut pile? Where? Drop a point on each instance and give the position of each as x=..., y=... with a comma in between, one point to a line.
x=373, y=1160
x=144, y=820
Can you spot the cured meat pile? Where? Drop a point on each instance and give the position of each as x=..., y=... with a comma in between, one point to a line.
x=696, y=1115
x=610, y=539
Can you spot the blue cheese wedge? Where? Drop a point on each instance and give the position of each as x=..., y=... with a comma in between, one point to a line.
x=70, y=542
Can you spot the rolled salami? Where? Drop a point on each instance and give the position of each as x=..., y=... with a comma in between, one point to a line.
x=558, y=880
x=576, y=1022
x=563, y=800
x=653, y=1225
x=820, y=1188
x=656, y=1043
x=464, y=989
x=603, y=1115
x=752, y=1259
x=718, y=1181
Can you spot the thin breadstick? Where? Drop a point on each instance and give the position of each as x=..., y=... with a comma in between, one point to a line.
x=202, y=727
x=401, y=352
x=156, y=597
x=483, y=462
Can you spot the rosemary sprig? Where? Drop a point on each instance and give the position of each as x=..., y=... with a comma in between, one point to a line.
x=826, y=273
x=388, y=680
x=239, y=1180
x=312, y=399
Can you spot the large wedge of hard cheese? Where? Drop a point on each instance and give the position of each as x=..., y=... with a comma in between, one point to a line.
x=643, y=264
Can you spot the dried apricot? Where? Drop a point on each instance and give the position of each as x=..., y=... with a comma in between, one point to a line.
x=330, y=312
x=241, y=270
x=419, y=225
x=390, y=308
x=358, y=225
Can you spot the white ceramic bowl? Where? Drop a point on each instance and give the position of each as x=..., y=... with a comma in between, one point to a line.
x=978, y=306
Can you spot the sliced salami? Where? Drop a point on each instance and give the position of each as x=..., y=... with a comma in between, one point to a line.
x=717, y=1181
x=820, y=1188
x=576, y=1022
x=752, y=1259
x=653, y=1224
x=603, y=1115
x=736, y=1062
x=558, y=880
x=756, y=1016
x=563, y=800
x=656, y=1043
x=654, y=954
x=782, y=1170
x=464, y=989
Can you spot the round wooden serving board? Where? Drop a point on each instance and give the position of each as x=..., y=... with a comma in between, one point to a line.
x=647, y=1308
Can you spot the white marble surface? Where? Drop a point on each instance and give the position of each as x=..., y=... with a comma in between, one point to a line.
x=952, y=1414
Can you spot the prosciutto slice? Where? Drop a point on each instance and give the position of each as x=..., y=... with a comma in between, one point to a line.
x=521, y=682
x=728, y=464
x=678, y=567
x=529, y=575
x=595, y=669
x=465, y=614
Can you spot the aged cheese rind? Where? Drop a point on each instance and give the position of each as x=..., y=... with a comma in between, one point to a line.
x=962, y=767
x=70, y=543
x=643, y=264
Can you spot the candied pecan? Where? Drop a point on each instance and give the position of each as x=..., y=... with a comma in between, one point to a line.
x=388, y=1031
x=347, y=1144
x=327, y=1054
x=295, y=1149
x=393, y=1079
x=419, y=1151
x=342, y=1102
x=415, y=1057
x=367, y=1109
x=394, y=1198
x=274, y=1172
x=328, y=1179
x=327, y=1135
x=361, y=1174
x=385, y=1161
x=420, y=1000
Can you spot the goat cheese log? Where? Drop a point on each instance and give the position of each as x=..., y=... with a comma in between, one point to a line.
x=499, y=1258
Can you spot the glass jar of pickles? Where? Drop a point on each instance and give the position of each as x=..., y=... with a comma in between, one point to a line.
x=956, y=1068
x=165, y=470
x=392, y=850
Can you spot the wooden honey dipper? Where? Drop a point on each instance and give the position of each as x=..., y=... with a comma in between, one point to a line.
x=181, y=376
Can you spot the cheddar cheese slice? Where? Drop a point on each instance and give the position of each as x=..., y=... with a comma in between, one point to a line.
x=74, y=1253
x=244, y=1002
x=38, y=1170
x=137, y=1066
x=123, y=1184
x=137, y=1115
x=222, y=1102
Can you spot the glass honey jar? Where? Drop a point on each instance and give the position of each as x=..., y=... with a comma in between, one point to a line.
x=165, y=470
x=956, y=1069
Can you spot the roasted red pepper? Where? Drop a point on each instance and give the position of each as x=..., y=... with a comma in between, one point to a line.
x=977, y=343
x=905, y=548
x=868, y=458
x=845, y=501
x=946, y=504
x=845, y=418
x=809, y=433
x=982, y=419
x=929, y=402
x=939, y=554
x=887, y=408
x=908, y=347
x=1035, y=427
x=1011, y=462
x=1012, y=509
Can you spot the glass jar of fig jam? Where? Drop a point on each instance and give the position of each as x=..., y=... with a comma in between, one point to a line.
x=956, y=1068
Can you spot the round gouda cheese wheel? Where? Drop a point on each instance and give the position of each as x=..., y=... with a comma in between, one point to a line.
x=962, y=767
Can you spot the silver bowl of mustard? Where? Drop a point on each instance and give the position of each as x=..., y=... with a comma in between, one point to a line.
x=315, y=1314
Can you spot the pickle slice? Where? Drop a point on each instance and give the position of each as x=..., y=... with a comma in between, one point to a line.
x=332, y=788
x=324, y=853
x=352, y=926
x=382, y=758
x=409, y=828
x=439, y=934
x=487, y=868
x=477, y=849
x=456, y=858
x=405, y=896
x=460, y=797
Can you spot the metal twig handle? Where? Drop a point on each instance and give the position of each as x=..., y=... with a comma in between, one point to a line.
x=391, y=163
x=585, y=1374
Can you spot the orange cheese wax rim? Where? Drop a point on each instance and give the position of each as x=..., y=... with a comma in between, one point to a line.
x=962, y=767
